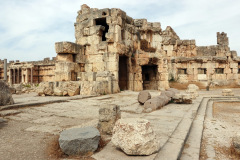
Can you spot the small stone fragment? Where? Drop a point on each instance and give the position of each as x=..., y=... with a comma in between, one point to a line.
x=227, y=92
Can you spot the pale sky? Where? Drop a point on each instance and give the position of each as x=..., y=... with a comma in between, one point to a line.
x=30, y=28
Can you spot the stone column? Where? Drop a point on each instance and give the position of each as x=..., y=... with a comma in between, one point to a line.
x=18, y=75
x=10, y=76
x=31, y=75
x=14, y=74
x=22, y=80
x=5, y=70
x=27, y=75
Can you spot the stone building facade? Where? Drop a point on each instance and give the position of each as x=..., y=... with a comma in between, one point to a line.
x=29, y=72
x=114, y=52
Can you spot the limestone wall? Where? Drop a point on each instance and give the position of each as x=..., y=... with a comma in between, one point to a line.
x=114, y=52
x=125, y=53
x=31, y=72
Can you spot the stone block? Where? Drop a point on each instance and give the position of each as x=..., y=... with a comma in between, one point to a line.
x=67, y=47
x=5, y=94
x=110, y=37
x=182, y=98
x=73, y=90
x=108, y=115
x=135, y=137
x=79, y=141
x=99, y=66
x=64, y=57
x=227, y=92
x=118, y=37
x=112, y=66
x=86, y=31
x=88, y=67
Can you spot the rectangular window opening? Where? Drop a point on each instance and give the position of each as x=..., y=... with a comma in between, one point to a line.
x=202, y=71
x=103, y=22
x=182, y=71
x=219, y=70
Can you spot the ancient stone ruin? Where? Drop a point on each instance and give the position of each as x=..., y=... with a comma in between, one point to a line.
x=115, y=52
x=5, y=94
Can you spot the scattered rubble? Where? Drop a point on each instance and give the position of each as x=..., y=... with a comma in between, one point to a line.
x=135, y=137
x=182, y=98
x=193, y=90
x=58, y=88
x=79, y=141
x=227, y=92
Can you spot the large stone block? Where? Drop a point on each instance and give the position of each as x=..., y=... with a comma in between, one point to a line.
x=5, y=94
x=79, y=141
x=135, y=137
x=73, y=90
x=67, y=47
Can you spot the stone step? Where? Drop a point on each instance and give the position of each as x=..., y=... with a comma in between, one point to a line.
x=192, y=146
x=172, y=149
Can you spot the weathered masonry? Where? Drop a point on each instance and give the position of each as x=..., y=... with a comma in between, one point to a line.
x=114, y=52
x=29, y=72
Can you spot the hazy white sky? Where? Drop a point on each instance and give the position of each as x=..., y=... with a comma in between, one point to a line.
x=30, y=28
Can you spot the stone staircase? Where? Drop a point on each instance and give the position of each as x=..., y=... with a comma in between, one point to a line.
x=185, y=141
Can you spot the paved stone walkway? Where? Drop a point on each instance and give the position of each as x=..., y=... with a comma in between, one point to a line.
x=172, y=123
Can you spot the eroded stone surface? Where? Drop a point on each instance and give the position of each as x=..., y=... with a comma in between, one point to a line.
x=227, y=92
x=192, y=90
x=79, y=141
x=108, y=115
x=58, y=88
x=143, y=96
x=5, y=94
x=135, y=137
x=182, y=98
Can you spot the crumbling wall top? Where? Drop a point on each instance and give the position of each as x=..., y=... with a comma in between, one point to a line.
x=222, y=38
x=170, y=32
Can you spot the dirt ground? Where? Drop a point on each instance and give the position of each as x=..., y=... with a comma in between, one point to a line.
x=16, y=143
x=219, y=130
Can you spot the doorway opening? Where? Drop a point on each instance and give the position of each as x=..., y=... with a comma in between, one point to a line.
x=149, y=77
x=103, y=22
x=123, y=73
